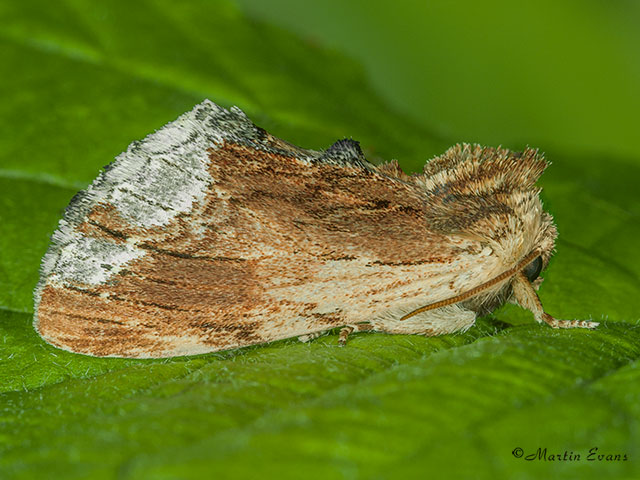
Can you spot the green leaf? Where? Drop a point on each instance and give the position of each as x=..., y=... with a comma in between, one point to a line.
x=84, y=79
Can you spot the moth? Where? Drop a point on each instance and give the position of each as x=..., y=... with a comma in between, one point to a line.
x=212, y=234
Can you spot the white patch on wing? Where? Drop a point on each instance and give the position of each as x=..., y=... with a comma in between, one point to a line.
x=149, y=184
x=91, y=261
x=164, y=174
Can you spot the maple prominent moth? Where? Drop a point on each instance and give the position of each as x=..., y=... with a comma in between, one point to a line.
x=212, y=234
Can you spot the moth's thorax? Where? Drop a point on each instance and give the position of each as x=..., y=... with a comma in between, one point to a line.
x=490, y=194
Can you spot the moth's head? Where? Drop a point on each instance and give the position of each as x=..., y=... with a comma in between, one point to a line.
x=538, y=235
x=489, y=195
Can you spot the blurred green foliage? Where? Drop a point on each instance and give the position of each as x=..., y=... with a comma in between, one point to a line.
x=81, y=80
x=561, y=75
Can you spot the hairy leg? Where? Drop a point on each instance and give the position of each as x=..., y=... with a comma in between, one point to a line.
x=449, y=319
x=527, y=297
x=311, y=336
x=349, y=329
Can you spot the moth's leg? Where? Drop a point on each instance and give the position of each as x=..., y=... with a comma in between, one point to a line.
x=527, y=297
x=449, y=319
x=349, y=329
x=311, y=336
x=535, y=284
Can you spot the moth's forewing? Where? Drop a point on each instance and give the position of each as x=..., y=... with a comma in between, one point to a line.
x=211, y=234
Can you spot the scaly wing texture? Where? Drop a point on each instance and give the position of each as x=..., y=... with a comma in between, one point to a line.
x=211, y=234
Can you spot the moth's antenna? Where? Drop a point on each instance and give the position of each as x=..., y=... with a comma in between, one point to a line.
x=474, y=291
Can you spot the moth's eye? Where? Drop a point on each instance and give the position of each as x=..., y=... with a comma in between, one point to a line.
x=533, y=269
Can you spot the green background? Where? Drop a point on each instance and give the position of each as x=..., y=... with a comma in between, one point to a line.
x=80, y=80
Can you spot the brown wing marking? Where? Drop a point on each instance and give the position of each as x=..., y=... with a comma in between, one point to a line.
x=269, y=221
